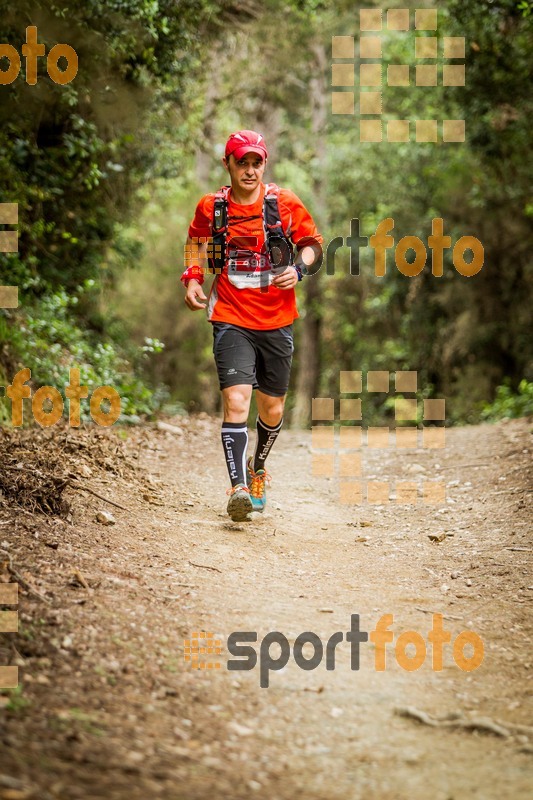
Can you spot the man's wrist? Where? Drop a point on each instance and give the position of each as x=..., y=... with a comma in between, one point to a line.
x=195, y=273
x=299, y=272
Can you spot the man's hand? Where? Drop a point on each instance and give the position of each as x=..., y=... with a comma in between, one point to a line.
x=195, y=293
x=287, y=279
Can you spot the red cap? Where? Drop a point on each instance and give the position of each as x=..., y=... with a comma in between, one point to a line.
x=244, y=142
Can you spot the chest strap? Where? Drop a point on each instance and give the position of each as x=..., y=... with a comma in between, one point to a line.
x=278, y=244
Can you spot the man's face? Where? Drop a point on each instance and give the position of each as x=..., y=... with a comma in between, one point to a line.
x=247, y=172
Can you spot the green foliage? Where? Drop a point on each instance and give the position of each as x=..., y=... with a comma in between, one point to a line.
x=463, y=335
x=17, y=703
x=107, y=171
x=509, y=404
x=72, y=158
x=48, y=340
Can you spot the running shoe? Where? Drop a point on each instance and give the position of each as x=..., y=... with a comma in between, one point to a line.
x=257, y=483
x=239, y=503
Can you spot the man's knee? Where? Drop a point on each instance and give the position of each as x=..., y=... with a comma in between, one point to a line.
x=237, y=402
x=270, y=408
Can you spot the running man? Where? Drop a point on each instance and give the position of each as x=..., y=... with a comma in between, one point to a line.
x=245, y=234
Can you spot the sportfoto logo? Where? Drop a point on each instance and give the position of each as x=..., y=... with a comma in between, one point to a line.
x=17, y=391
x=275, y=649
x=380, y=242
x=31, y=52
x=427, y=50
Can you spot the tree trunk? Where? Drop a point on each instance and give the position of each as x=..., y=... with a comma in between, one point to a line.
x=269, y=125
x=204, y=151
x=308, y=377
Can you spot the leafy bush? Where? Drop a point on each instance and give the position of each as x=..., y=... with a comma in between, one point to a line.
x=509, y=404
x=50, y=340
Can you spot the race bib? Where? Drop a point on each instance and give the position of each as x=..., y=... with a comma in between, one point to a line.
x=249, y=270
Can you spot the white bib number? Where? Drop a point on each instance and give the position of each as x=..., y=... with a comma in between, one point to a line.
x=248, y=270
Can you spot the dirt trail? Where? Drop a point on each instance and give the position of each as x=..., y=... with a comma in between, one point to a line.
x=109, y=709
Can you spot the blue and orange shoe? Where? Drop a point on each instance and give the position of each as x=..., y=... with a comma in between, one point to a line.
x=239, y=503
x=257, y=483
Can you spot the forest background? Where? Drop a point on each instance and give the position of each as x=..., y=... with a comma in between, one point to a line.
x=107, y=170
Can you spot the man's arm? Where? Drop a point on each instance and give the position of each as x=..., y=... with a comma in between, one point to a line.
x=305, y=258
x=195, y=261
x=306, y=238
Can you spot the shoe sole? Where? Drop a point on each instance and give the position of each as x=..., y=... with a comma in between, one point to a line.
x=239, y=506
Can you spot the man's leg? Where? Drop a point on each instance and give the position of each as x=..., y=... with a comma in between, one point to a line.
x=235, y=430
x=275, y=349
x=235, y=442
x=235, y=357
x=269, y=422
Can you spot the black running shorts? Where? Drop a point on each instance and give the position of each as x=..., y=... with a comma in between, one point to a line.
x=261, y=359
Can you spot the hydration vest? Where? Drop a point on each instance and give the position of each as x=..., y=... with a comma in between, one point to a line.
x=280, y=253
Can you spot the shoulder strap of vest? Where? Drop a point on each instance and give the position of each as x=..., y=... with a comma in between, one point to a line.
x=220, y=209
x=277, y=239
x=217, y=258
